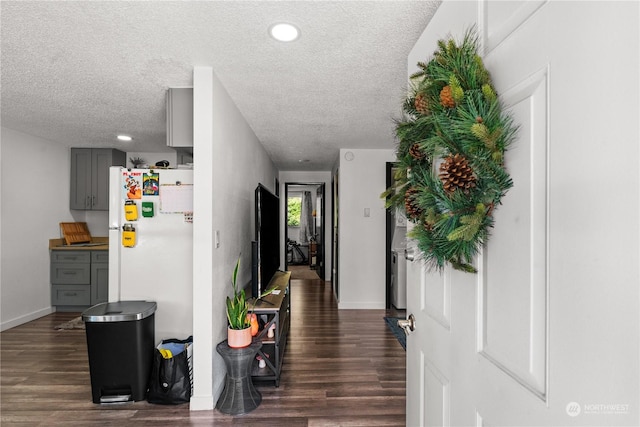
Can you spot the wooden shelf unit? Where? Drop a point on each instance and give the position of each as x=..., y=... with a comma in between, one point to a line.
x=274, y=310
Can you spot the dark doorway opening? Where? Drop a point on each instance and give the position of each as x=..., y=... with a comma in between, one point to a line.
x=305, y=225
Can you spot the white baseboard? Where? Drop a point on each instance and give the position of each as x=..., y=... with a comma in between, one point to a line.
x=201, y=403
x=206, y=403
x=25, y=318
x=372, y=305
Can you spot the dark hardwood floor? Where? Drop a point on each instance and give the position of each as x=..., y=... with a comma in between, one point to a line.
x=341, y=368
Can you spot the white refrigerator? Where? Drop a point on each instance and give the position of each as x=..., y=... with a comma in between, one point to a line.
x=151, y=244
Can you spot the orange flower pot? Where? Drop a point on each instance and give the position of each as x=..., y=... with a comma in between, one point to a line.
x=238, y=338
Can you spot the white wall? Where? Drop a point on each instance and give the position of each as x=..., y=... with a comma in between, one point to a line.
x=315, y=177
x=362, y=256
x=35, y=199
x=229, y=164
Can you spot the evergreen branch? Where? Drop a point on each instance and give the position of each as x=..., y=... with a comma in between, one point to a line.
x=451, y=227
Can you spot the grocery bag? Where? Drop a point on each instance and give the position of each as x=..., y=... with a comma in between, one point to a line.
x=171, y=377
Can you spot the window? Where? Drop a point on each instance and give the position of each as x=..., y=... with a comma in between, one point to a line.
x=294, y=206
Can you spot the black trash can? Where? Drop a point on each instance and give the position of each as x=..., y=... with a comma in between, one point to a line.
x=120, y=342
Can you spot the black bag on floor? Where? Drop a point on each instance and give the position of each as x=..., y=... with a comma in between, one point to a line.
x=170, y=380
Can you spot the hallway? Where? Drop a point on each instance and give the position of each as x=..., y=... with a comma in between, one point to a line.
x=340, y=368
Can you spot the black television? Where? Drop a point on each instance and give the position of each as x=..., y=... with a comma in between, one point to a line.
x=266, y=248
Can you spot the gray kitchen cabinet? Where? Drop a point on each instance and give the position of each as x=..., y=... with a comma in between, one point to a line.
x=99, y=277
x=79, y=279
x=180, y=117
x=90, y=176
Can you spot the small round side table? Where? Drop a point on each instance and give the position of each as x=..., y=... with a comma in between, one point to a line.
x=239, y=395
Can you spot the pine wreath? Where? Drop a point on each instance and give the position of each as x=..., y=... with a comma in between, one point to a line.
x=450, y=173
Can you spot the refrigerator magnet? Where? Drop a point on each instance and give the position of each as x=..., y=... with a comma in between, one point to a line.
x=133, y=185
x=130, y=210
x=150, y=184
x=147, y=209
x=128, y=236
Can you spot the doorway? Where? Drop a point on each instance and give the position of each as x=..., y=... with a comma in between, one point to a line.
x=395, y=277
x=305, y=225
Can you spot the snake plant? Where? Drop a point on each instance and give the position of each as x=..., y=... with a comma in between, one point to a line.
x=237, y=306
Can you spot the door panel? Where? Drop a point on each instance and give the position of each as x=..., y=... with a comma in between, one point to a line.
x=558, y=275
x=437, y=396
x=437, y=298
x=513, y=301
x=499, y=19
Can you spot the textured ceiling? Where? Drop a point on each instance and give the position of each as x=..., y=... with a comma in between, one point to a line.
x=80, y=72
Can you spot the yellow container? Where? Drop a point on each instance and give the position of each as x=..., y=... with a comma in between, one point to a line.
x=130, y=210
x=128, y=236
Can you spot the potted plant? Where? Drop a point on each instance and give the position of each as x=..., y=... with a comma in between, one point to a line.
x=239, y=330
x=138, y=162
x=242, y=323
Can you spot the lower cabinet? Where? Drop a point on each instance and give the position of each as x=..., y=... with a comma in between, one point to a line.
x=99, y=277
x=70, y=295
x=79, y=279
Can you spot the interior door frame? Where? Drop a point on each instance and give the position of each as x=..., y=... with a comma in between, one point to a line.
x=321, y=252
x=388, y=238
x=335, y=232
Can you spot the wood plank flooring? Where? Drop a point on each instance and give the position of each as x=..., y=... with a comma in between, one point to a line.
x=341, y=368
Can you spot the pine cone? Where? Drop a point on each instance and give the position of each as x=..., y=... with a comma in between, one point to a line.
x=428, y=225
x=446, y=97
x=455, y=173
x=416, y=152
x=421, y=104
x=410, y=204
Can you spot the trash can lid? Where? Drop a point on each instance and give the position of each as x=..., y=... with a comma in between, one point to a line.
x=120, y=311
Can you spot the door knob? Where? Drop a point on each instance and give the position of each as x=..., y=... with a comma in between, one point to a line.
x=408, y=325
x=409, y=254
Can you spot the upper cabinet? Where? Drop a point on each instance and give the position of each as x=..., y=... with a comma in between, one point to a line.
x=90, y=176
x=180, y=117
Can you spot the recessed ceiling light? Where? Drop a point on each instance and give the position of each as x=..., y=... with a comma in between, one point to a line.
x=304, y=161
x=284, y=32
x=125, y=138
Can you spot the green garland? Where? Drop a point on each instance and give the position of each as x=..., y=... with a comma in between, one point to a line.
x=450, y=173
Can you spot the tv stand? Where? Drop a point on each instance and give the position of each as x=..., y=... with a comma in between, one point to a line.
x=275, y=311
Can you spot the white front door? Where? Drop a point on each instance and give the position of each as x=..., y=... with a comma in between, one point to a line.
x=429, y=346
x=547, y=332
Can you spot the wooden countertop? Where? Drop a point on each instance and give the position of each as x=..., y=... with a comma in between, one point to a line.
x=59, y=245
